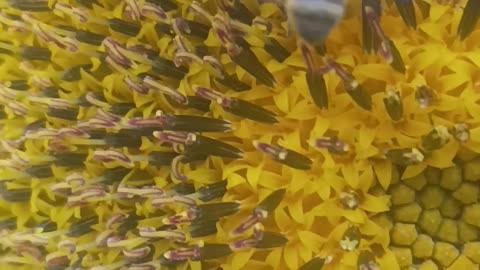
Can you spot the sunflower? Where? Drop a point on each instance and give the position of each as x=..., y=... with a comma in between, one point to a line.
x=172, y=134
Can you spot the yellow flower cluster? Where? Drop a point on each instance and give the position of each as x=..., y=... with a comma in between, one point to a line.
x=180, y=134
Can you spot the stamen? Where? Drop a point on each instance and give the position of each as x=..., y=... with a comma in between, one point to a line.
x=214, y=66
x=79, y=14
x=183, y=254
x=153, y=84
x=17, y=108
x=208, y=93
x=175, y=172
x=333, y=145
x=145, y=191
x=197, y=8
x=349, y=200
x=307, y=58
x=49, y=36
x=212, y=191
x=269, y=240
x=393, y=104
x=261, y=212
x=112, y=155
x=134, y=8
x=97, y=100
x=153, y=12
x=136, y=253
x=91, y=194
x=75, y=180
x=187, y=58
x=141, y=267
x=41, y=134
x=351, y=239
x=353, y=88
x=62, y=189
x=161, y=201
x=184, y=217
x=424, y=96
x=14, y=23
x=460, y=132
x=315, y=80
x=405, y=156
x=262, y=24
x=56, y=103
x=96, y=122
x=175, y=137
x=117, y=53
x=384, y=49
x=67, y=245
x=246, y=59
x=366, y=261
x=72, y=133
x=244, y=244
x=168, y=234
x=275, y=152
x=285, y=156
x=223, y=33
x=135, y=86
x=116, y=219
x=180, y=26
x=103, y=236
x=436, y=139
x=57, y=259
x=182, y=44
x=276, y=50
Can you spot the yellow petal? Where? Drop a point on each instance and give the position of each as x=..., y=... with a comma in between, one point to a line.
x=383, y=170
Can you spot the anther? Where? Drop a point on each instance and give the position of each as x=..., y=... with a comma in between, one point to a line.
x=424, y=96
x=175, y=137
x=214, y=65
x=384, y=49
x=78, y=14
x=182, y=218
x=135, y=86
x=175, y=95
x=333, y=145
x=183, y=254
x=435, y=139
x=115, y=220
x=154, y=12
x=134, y=9
x=112, y=155
x=351, y=239
x=196, y=8
x=187, y=58
x=175, y=172
x=393, y=104
x=185, y=201
x=168, y=234
x=136, y=253
x=460, y=132
x=349, y=200
x=262, y=24
x=405, y=156
x=273, y=151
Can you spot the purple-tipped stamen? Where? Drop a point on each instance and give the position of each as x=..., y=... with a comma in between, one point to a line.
x=112, y=155
x=183, y=254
